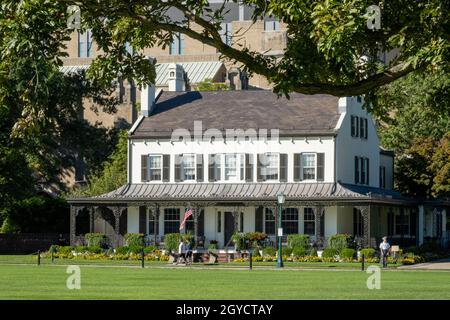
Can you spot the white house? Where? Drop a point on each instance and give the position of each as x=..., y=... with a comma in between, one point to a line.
x=228, y=154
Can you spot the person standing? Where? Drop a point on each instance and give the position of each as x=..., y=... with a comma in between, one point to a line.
x=181, y=251
x=385, y=248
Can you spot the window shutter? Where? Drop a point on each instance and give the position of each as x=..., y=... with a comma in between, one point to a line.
x=259, y=219
x=352, y=123
x=178, y=158
x=357, y=126
x=144, y=167
x=297, y=167
x=200, y=167
x=259, y=167
x=366, y=128
x=361, y=127
x=201, y=223
x=283, y=167
x=166, y=167
x=211, y=171
x=356, y=170
x=367, y=170
x=248, y=167
x=142, y=219
x=320, y=166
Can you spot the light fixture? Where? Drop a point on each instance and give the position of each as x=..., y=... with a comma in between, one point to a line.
x=281, y=198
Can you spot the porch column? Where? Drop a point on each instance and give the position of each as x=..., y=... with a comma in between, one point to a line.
x=73, y=223
x=117, y=212
x=420, y=225
x=154, y=211
x=91, y=219
x=365, y=214
x=196, y=211
x=319, y=212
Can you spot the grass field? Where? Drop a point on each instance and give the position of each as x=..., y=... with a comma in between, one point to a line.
x=157, y=281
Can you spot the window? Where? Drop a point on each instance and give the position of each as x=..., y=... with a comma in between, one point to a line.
x=402, y=223
x=382, y=177
x=270, y=166
x=171, y=220
x=289, y=220
x=225, y=33
x=155, y=167
x=308, y=166
x=269, y=221
x=188, y=167
x=361, y=170
x=359, y=127
x=177, y=45
x=231, y=171
x=85, y=44
x=272, y=25
x=354, y=126
x=309, y=222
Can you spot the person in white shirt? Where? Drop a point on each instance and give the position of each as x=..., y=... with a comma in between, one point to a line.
x=385, y=248
x=181, y=251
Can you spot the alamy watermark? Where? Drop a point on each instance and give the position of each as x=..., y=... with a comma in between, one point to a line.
x=374, y=17
x=374, y=280
x=74, y=280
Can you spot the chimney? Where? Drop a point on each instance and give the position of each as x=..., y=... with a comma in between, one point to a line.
x=176, y=78
x=148, y=96
x=346, y=103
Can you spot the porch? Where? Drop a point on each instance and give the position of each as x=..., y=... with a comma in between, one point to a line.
x=219, y=210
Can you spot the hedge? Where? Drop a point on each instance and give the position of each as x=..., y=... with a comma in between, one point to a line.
x=298, y=240
x=134, y=239
x=96, y=240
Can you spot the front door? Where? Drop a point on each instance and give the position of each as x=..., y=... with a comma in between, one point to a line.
x=229, y=227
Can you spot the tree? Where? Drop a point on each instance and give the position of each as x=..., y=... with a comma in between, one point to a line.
x=330, y=48
x=414, y=117
x=113, y=174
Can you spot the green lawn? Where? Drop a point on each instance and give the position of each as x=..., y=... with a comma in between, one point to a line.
x=159, y=282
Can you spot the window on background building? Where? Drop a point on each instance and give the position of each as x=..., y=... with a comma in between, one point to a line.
x=155, y=167
x=171, y=220
x=85, y=44
x=359, y=127
x=272, y=25
x=269, y=221
x=309, y=222
x=308, y=162
x=402, y=223
x=226, y=33
x=383, y=177
x=289, y=220
x=177, y=45
x=271, y=166
x=189, y=167
x=362, y=170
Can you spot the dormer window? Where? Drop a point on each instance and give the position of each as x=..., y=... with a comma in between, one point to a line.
x=155, y=167
x=188, y=167
x=308, y=166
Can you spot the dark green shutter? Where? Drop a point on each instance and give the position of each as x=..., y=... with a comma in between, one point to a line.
x=367, y=171
x=361, y=128
x=144, y=167
x=356, y=170
x=199, y=167
x=248, y=167
x=259, y=166
x=259, y=219
x=366, y=128
x=211, y=172
x=178, y=158
x=283, y=167
x=352, y=124
x=166, y=167
x=320, y=166
x=297, y=167
x=142, y=219
x=201, y=223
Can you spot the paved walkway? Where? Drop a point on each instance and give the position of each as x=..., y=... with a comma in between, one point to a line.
x=443, y=264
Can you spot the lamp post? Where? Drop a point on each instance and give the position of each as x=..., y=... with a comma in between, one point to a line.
x=280, y=200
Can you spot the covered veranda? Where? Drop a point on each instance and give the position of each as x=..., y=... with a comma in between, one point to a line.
x=334, y=208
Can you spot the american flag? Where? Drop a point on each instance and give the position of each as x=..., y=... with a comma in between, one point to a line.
x=187, y=214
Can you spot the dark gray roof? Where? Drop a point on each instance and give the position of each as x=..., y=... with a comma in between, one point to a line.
x=257, y=109
x=229, y=192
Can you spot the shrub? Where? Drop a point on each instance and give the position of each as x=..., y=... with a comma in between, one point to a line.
x=134, y=239
x=330, y=253
x=239, y=240
x=9, y=226
x=313, y=252
x=368, y=253
x=257, y=237
x=171, y=241
x=256, y=253
x=94, y=249
x=212, y=246
x=96, y=239
x=150, y=249
x=298, y=240
x=269, y=251
x=81, y=249
x=299, y=252
x=122, y=250
x=347, y=254
x=53, y=248
x=340, y=241
x=66, y=250
x=286, y=251
x=136, y=249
